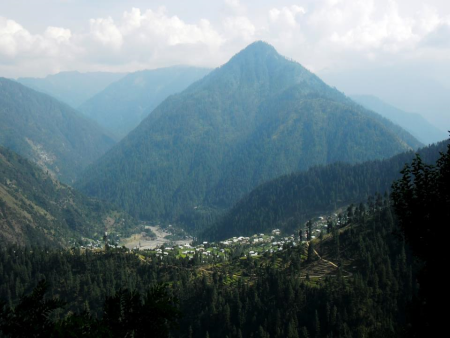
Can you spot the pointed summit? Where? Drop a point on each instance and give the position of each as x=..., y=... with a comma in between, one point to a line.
x=260, y=67
x=256, y=54
x=257, y=117
x=259, y=47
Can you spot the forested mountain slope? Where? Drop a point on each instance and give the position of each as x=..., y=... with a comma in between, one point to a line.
x=36, y=209
x=48, y=132
x=289, y=201
x=412, y=122
x=72, y=88
x=122, y=105
x=236, y=297
x=255, y=118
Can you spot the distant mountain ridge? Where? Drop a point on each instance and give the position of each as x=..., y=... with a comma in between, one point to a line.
x=257, y=117
x=50, y=133
x=412, y=122
x=72, y=88
x=36, y=209
x=122, y=105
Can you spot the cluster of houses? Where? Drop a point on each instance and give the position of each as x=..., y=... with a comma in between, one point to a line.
x=252, y=246
x=89, y=244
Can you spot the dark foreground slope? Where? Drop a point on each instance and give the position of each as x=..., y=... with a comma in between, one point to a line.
x=48, y=132
x=255, y=118
x=289, y=201
x=243, y=296
x=35, y=209
x=121, y=106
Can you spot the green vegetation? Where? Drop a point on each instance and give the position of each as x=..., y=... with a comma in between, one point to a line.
x=257, y=117
x=291, y=200
x=278, y=294
x=51, y=134
x=121, y=106
x=360, y=280
x=421, y=200
x=320, y=253
x=72, y=88
x=36, y=209
x=125, y=314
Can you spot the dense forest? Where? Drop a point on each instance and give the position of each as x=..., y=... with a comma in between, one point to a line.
x=255, y=118
x=265, y=297
x=50, y=133
x=259, y=201
x=378, y=281
x=291, y=200
x=37, y=210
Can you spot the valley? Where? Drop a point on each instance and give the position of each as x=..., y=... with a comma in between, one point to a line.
x=247, y=200
x=158, y=237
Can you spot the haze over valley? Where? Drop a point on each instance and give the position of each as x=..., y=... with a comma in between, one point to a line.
x=223, y=169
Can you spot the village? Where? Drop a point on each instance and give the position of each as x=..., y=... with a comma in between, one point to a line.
x=173, y=242
x=250, y=247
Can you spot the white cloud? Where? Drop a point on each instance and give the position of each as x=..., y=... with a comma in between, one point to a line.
x=239, y=27
x=368, y=26
x=321, y=34
x=14, y=38
x=170, y=30
x=61, y=35
x=286, y=15
x=235, y=6
x=391, y=32
x=18, y=44
x=106, y=32
x=439, y=37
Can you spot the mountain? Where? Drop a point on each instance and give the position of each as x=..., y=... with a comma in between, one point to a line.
x=291, y=200
x=412, y=122
x=36, y=209
x=253, y=119
x=72, y=88
x=411, y=87
x=122, y=105
x=50, y=133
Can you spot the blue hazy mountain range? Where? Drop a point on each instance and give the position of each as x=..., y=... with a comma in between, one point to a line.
x=416, y=124
x=121, y=106
x=72, y=88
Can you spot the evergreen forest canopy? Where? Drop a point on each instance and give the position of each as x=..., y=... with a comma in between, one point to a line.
x=371, y=276
x=255, y=118
x=257, y=144
x=37, y=210
x=121, y=106
x=291, y=200
x=50, y=133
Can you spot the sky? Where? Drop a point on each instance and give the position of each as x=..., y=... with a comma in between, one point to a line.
x=357, y=46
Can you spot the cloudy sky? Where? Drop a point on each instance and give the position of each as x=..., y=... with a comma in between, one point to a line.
x=409, y=39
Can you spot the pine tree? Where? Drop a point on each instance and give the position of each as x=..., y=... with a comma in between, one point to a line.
x=421, y=200
x=311, y=255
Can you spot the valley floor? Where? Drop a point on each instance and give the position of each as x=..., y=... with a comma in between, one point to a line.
x=145, y=242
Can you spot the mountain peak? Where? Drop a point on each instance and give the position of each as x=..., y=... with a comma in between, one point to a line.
x=257, y=49
x=260, y=46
